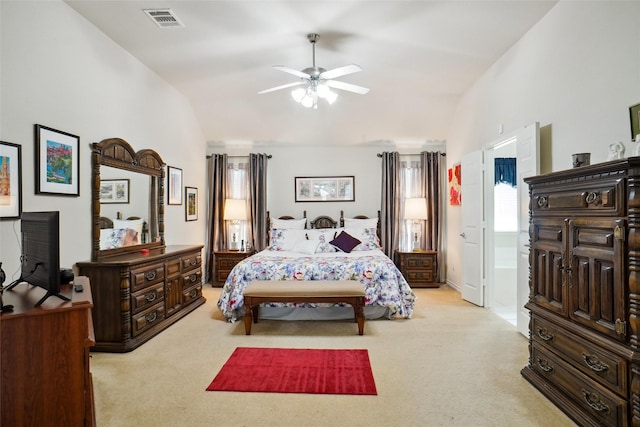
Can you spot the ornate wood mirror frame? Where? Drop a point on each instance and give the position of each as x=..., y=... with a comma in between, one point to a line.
x=117, y=153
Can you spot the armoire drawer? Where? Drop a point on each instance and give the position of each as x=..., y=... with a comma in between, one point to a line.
x=596, y=198
x=191, y=278
x=190, y=262
x=191, y=294
x=146, y=319
x=147, y=276
x=594, y=361
x=147, y=297
x=602, y=404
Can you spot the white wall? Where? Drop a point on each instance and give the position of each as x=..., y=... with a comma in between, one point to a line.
x=60, y=71
x=576, y=73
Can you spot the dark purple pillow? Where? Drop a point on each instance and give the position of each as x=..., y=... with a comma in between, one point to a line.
x=345, y=242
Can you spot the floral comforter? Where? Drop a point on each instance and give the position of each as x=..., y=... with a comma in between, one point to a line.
x=384, y=284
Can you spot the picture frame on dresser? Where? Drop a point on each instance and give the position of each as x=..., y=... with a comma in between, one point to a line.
x=10, y=180
x=57, y=162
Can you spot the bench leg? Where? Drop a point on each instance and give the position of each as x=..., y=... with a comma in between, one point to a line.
x=247, y=316
x=359, y=311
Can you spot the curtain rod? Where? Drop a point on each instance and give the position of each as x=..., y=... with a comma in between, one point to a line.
x=416, y=154
x=268, y=156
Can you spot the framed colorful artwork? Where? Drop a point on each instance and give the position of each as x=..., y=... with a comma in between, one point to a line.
x=174, y=176
x=10, y=180
x=191, y=204
x=57, y=162
x=455, y=196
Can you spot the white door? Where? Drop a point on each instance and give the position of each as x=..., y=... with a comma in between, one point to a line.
x=472, y=227
x=527, y=164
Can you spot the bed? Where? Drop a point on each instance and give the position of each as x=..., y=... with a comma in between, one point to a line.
x=321, y=249
x=117, y=233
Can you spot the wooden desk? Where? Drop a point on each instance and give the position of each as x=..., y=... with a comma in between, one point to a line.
x=44, y=360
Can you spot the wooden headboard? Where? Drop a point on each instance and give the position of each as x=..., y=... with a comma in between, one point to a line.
x=323, y=221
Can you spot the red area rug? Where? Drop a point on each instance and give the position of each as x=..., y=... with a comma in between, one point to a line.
x=291, y=370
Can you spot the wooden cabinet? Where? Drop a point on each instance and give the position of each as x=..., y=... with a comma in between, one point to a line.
x=584, y=291
x=44, y=362
x=136, y=296
x=224, y=263
x=419, y=268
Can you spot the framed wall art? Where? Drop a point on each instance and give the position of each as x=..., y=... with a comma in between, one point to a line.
x=325, y=189
x=114, y=191
x=634, y=117
x=455, y=187
x=10, y=180
x=190, y=203
x=174, y=176
x=57, y=162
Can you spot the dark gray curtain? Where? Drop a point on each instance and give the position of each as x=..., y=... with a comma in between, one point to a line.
x=258, y=200
x=390, y=209
x=431, y=165
x=216, y=231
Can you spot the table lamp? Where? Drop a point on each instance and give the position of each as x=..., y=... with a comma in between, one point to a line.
x=235, y=210
x=415, y=209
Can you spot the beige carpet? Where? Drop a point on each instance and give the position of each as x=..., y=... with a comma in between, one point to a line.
x=453, y=364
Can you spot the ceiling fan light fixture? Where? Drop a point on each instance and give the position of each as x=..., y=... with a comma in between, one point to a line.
x=308, y=101
x=330, y=97
x=298, y=94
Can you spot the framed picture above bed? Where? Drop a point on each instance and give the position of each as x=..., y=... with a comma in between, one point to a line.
x=114, y=191
x=325, y=189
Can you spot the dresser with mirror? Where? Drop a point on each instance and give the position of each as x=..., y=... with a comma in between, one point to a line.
x=140, y=285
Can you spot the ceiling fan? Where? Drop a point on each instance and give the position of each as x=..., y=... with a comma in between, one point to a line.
x=318, y=81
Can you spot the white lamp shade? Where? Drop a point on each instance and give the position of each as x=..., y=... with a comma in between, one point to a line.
x=415, y=208
x=235, y=209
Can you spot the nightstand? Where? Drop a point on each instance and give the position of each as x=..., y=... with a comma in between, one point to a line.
x=419, y=268
x=224, y=263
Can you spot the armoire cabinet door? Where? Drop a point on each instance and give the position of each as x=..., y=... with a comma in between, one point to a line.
x=547, y=264
x=597, y=286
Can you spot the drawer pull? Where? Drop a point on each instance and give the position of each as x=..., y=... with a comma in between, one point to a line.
x=151, y=317
x=544, y=365
x=592, y=198
x=150, y=275
x=594, y=363
x=594, y=402
x=193, y=278
x=193, y=293
x=192, y=262
x=544, y=334
x=151, y=296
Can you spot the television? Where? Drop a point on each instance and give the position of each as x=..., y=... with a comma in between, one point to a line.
x=40, y=257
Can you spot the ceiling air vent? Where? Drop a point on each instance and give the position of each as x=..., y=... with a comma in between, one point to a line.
x=164, y=18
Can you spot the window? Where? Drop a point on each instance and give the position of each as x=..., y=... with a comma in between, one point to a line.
x=238, y=187
x=411, y=186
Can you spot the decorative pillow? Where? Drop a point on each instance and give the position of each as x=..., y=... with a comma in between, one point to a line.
x=296, y=224
x=345, y=242
x=361, y=223
x=133, y=224
x=324, y=236
x=367, y=236
x=306, y=246
x=111, y=238
x=285, y=239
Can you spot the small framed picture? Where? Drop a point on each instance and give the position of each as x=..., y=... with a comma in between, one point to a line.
x=190, y=204
x=57, y=162
x=114, y=191
x=634, y=117
x=10, y=180
x=174, y=176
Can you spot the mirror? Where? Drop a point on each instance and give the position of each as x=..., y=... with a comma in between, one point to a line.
x=127, y=198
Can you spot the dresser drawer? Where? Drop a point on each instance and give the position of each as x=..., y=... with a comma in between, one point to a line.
x=173, y=267
x=147, y=276
x=601, y=404
x=419, y=262
x=147, y=297
x=599, y=364
x=191, y=278
x=192, y=261
x=417, y=277
x=146, y=319
x=592, y=198
x=191, y=294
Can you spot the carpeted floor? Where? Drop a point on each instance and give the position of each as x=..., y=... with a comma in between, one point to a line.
x=453, y=364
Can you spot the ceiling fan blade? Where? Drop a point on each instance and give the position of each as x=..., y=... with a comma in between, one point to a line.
x=292, y=71
x=281, y=87
x=340, y=71
x=347, y=86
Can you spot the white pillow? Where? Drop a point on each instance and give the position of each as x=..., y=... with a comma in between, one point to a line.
x=285, y=239
x=306, y=246
x=323, y=236
x=134, y=224
x=296, y=224
x=360, y=223
x=368, y=238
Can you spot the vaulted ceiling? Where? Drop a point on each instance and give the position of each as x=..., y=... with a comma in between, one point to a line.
x=418, y=58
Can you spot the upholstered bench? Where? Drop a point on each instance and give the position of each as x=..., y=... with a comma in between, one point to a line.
x=306, y=291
